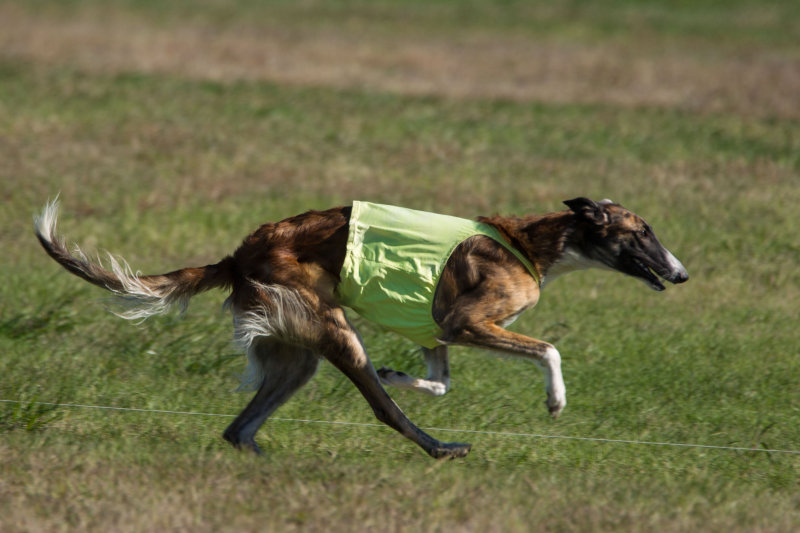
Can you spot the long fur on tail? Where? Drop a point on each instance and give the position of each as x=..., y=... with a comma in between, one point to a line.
x=142, y=296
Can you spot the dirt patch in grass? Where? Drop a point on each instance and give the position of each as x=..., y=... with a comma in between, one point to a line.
x=640, y=71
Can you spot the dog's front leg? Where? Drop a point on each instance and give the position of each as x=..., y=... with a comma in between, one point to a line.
x=491, y=336
x=341, y=345
x=436, y=384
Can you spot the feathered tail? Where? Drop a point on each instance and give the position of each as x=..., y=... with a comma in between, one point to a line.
x=144, y=295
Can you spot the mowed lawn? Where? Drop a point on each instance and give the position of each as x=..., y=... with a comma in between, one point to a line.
x=171, y=132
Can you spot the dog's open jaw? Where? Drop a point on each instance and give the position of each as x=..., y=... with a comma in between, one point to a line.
x=643, y=272
x=573, y=260
x=610, y=236
x=636, y=263
x=653, y=264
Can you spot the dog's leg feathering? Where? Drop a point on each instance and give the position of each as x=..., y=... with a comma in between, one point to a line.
x=283, y=334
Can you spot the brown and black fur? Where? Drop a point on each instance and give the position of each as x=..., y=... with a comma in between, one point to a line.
x=283, y=297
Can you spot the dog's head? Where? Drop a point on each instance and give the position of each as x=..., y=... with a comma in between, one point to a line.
x=621, y=240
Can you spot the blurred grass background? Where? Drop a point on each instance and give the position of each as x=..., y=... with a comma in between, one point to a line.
x=172, y=130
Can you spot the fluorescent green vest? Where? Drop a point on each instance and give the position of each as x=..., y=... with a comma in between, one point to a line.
x=394, y=259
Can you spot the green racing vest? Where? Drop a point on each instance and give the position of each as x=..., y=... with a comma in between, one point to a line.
x=394, y=259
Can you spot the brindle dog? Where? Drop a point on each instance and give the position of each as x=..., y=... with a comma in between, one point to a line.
x=283, y=297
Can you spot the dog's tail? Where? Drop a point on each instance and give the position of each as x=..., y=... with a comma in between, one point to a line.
x=142, y=296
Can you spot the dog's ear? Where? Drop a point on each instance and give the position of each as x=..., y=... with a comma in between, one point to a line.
x=588, y=210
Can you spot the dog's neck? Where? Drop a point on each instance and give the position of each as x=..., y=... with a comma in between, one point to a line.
x=546, y=240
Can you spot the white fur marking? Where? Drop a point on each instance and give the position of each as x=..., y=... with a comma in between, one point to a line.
x=285, y=316
x=45, y=222
x=570, y=261
x=434, y=388
x=510, y=320
x=554, y=381
x=436, y=384
x=141, y=300
x=404, y=381
x=675, y=264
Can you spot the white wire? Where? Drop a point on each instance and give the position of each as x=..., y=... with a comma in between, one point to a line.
x=450, y=430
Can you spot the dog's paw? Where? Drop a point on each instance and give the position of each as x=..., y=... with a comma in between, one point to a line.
x=556, y=402
x=434, y=388
x=248, y=445
x=450, y=450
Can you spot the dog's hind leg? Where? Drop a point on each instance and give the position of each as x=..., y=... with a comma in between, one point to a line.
x=291, y=317
x=285, y=368
x=342, y=346
x=436, y=384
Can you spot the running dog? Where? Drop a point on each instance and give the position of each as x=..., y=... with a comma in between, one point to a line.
x=438, y=280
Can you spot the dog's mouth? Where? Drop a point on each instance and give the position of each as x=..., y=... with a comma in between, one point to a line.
x=639, y=270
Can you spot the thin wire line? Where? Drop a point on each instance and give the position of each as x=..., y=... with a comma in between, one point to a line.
x=109, y=408
x=449, y=430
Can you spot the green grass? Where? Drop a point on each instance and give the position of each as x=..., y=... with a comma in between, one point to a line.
x=749, y=22
x=170, y=171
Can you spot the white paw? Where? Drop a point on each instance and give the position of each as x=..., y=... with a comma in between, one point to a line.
x=434, y=388
x=554, y=382
x=556, y=402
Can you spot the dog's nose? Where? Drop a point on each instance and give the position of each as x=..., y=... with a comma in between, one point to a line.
x=679, y=273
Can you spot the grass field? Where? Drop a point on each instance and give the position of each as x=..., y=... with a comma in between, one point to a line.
x=171, y=130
